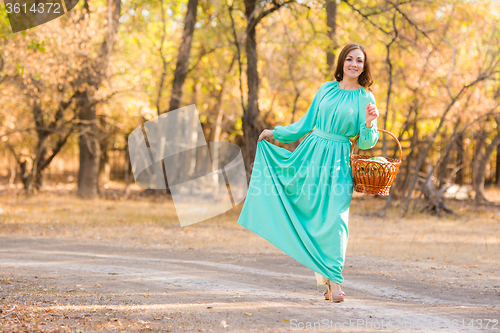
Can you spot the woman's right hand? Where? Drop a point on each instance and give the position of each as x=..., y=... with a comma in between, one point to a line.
x=265, y=133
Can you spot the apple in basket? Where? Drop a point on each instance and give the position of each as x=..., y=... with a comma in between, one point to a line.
x=374, y=168
x=379, y=159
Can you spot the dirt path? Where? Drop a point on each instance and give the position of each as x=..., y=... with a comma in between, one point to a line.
x=71, y=286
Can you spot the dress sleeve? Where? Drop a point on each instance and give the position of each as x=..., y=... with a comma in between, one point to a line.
x=295, y=131
x=368, y=137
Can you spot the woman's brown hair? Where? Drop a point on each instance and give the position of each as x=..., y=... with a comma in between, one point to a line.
x=365, y=78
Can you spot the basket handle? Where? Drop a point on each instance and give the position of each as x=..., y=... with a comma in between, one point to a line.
x=381, y=130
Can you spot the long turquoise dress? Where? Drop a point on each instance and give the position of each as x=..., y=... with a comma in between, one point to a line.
x=299, y=201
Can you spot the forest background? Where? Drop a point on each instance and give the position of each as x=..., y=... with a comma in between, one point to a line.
x=73, y=89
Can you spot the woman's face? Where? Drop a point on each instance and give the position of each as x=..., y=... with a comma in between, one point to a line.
x=354, y=63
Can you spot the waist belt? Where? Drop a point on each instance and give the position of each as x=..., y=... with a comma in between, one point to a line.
x=330, y=136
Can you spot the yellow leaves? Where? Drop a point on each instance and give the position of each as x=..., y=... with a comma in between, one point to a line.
x=239, y=124
x=249, y=314
x=398, y=287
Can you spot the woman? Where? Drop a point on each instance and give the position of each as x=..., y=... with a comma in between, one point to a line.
x=299, y=201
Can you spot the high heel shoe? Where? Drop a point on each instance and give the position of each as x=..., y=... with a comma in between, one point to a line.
x=329, y=294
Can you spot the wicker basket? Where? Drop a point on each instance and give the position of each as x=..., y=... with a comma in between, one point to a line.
x=374, y=177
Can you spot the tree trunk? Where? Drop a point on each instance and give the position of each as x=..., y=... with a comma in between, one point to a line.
x=216, y=129
x=497, y=167
x=127, y=169
x=481, y=167
x=295, y=144
x=386, y=116
x=480, y=140
x=163, y=60
x=412, y=157
x=460, y=159
x=89, y=148
x=104, y=145
x=443, y=168
x=434, y=197
x=104, y=167
x=38, y=180
x=251, y=117
x=26, y=177
x=13, y=173
x=181, y=68
x=331, y=22
x=93, y=76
